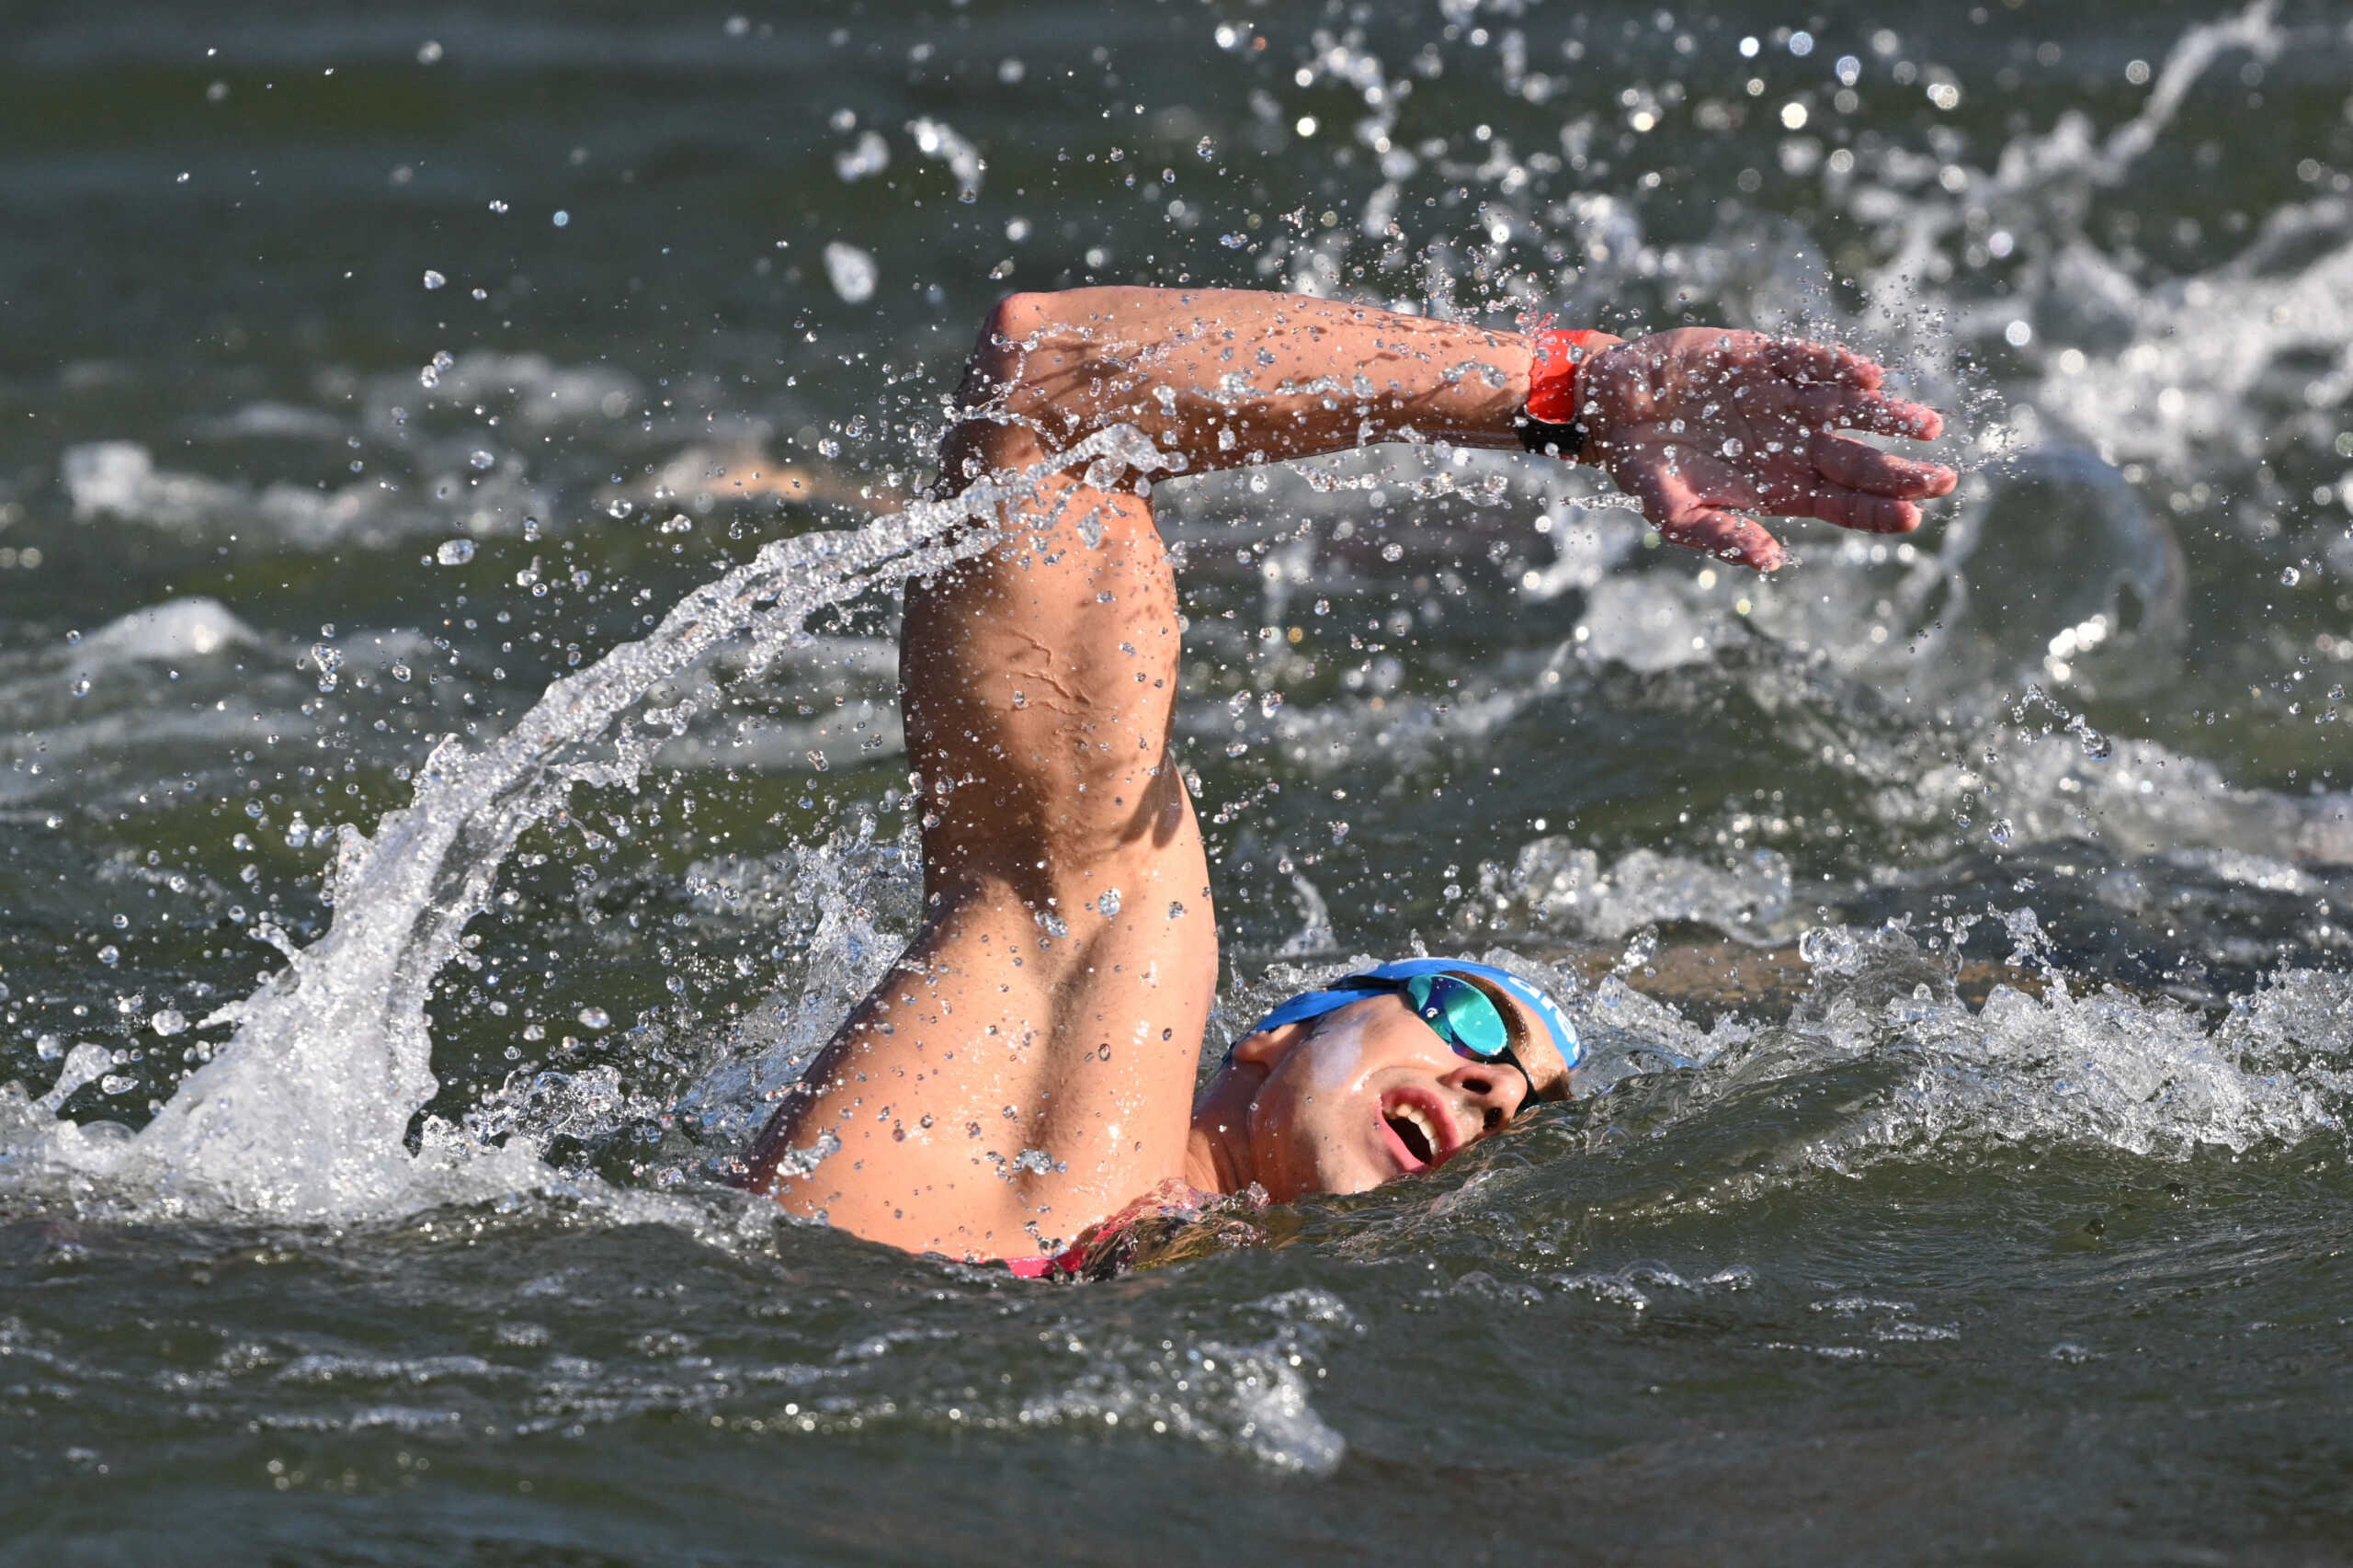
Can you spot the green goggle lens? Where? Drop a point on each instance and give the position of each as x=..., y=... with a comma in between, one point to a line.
x=1462, y=1014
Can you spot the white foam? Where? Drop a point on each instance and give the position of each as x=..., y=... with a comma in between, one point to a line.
x=176, y=629
x=1556, y=885
x=2107, y=1069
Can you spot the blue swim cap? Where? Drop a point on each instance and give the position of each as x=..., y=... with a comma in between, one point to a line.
x=1315, y=1004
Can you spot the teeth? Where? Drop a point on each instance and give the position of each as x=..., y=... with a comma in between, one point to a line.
x=1413, y=1115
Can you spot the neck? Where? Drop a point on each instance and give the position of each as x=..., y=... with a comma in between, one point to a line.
x=1217, y=1150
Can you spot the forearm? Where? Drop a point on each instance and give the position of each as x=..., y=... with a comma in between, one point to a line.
x=1224, y=378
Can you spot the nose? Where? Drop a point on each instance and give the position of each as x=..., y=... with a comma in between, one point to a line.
x=1493, y=1089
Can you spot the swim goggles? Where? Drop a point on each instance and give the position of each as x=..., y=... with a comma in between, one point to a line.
x=1461, y=1014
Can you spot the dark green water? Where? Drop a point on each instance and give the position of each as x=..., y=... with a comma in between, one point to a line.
x=1961, y=926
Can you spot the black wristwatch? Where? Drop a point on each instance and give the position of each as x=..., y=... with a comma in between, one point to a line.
x=1542, y=435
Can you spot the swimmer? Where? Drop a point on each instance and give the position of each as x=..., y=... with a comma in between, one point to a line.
x=1025, y=1072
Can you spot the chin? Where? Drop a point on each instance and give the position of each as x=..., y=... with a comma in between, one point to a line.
x=1345, y=1178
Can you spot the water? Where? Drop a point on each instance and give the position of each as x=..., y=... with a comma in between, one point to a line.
x=453, y=781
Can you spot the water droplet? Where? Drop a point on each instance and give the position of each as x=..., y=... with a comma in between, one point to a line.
x=593, y=1017
x=1270, y=704
x=1731, y=447
x=2000, y=832
x=109, y=955
x=1175, y=910
x=562, y=218
x=2095, y=744
x=401, y=672
x=1206, y=149
x=2290, y=577
x=169, y=1022
x=455, y=552
x=852, y=272
x=1108, y=903
x=872, y=156
x=116, y=1082
x=434, y=279
x=82, y=686
x=480, y=459
x=428, y=52
x=431, y=375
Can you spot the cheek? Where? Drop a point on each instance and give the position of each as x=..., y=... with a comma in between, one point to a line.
x=1306, y=1137
x=1335, y=1059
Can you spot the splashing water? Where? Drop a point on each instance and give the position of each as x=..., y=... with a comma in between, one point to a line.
x=303, y=1112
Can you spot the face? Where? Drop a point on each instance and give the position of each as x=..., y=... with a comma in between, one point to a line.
x=1369, y=1093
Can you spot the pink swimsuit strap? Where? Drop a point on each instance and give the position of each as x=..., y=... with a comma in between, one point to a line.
x=1170, y=1198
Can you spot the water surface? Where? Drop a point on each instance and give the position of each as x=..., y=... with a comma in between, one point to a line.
x=1960, y=923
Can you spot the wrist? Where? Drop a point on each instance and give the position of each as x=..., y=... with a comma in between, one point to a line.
x=1555, y=418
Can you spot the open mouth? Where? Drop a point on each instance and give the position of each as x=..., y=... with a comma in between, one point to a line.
x=1410, y=1126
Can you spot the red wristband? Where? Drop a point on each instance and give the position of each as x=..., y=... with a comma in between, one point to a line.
x=1552, y=379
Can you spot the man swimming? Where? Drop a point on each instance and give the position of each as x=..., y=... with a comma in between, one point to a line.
x=1055, y=997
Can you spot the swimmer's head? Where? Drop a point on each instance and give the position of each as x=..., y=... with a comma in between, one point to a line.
x=1385, y=1074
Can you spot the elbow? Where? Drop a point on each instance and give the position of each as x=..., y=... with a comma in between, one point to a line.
x=998, y=404
x=1000, y=355
x=1017, y=319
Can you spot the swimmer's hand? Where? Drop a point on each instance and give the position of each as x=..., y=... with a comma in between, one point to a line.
x=1702, y=424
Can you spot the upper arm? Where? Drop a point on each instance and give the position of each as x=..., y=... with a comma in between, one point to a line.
x=1055, y=998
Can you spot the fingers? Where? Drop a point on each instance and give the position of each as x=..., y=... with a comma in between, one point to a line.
x=1860, y=467
x=1727, y=536
x=1857, y=509
x=1689, y=503
x=1846, y=408
x=1801, y=360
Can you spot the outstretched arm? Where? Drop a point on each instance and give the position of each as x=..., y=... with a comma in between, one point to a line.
x=1701, y=424
x=1027, y=1066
